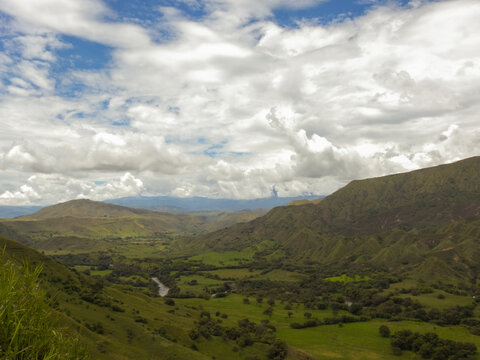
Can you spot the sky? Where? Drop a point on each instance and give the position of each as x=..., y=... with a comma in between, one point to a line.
x=230, y=98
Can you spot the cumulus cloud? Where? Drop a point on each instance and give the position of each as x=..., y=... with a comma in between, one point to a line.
x=85, y=19
x=57, y=188
x=232, y=103
x=25, y=195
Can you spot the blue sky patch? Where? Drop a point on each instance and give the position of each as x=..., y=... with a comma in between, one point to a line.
x=326, y=12
x=82, y=55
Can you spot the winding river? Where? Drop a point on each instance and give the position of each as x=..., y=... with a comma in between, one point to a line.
x=162, y=289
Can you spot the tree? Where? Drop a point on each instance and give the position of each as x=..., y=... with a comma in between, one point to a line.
x=278, y=350
x=384, y=331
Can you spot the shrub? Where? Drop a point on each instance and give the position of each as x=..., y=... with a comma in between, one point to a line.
x=430, y=346
x=169, y=301
x=268, y=311
x=278, y=350
x=384, y=331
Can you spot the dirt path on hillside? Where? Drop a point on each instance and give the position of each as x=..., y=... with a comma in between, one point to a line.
x=162, y=289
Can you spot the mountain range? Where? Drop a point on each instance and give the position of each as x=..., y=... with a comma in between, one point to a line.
x=176, y=205
x=427, y=219
x=202, y=204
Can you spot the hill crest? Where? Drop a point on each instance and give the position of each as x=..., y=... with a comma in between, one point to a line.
x=87, y=209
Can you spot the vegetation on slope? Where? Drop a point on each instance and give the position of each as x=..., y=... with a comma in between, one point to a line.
x=29, y=327
x=396, y=221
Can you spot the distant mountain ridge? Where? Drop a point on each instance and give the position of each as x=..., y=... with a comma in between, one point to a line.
x=174, y=205
x=199, y=204
x=9, y=212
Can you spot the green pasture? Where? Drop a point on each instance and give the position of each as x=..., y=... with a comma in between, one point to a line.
x=185, y=283
x=432, y=300
x=362, y=340
x=281, y=275
x=233, y=305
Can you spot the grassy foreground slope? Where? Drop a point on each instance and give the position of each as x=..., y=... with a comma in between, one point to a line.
x=29, y=329
x=110, y=322
x=396, y=222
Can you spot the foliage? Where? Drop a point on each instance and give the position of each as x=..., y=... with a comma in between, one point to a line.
x=384, y=331
x=278, y=350
x=29, y=328
x=430, y=346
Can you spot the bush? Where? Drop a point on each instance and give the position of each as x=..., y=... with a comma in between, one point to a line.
x=268, y=311
x=430, y=346
x=384, y=331
x=169, y=301
x=278, y=350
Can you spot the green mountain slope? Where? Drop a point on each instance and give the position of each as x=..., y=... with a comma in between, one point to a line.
x=85, y=208
x=395, y=221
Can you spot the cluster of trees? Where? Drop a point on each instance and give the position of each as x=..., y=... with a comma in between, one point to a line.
x=246, y=333
x=430, y=346
x=406, y=308
x=343, y=319
x=101, y=299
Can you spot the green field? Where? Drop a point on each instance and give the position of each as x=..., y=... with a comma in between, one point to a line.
x=448, y=300
x=228, y=258
x=362, y=340
x=281, y=275
x=196, y=283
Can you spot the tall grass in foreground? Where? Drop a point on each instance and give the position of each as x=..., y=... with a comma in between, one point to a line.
x=28, y=327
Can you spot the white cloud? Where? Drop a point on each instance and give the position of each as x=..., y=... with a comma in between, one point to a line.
x=83, y=18
x=25, y=195
x=233, y=104
x=56, y=188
